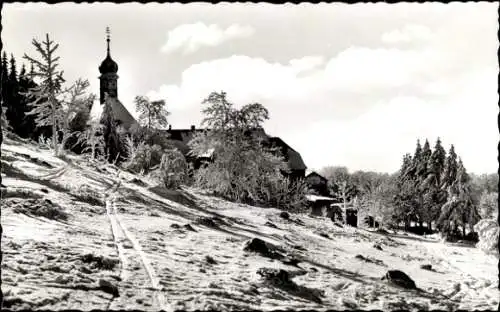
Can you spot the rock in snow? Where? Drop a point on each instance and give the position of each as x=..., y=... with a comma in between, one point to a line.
x=400, y=278
x=285, y=215
x=108, y=287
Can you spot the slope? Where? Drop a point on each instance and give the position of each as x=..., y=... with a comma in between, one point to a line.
x=83, y=235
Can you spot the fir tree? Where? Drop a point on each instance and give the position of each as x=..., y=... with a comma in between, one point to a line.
x=450, y=169
x=434, y=196
x=22, y=74
x=5, y=70
x=12, y=97
x=46, y=94
x=459, y=210
x=28, y=127
x=426, y=155
x=13, y=69
x=412, y=170
x=436, y=163
x=405, y=167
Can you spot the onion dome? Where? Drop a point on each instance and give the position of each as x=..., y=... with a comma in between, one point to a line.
x=108, y=65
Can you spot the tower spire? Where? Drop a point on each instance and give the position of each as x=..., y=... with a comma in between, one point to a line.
x=108, y=37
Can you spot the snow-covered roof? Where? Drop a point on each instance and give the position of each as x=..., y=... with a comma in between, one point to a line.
x=208, y=153
x=311, y=197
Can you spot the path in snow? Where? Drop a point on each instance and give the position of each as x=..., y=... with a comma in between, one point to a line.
x=120, y=234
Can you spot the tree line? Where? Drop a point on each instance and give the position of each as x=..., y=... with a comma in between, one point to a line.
x=432, y=188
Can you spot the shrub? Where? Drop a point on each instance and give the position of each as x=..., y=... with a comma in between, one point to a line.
x=91, y=141
x=488, y=205
x=278, y=191
x=150, y=136
x=488, y=232
x=39, y=208
x=141, y=157
x=99, y=262
x=173, y=170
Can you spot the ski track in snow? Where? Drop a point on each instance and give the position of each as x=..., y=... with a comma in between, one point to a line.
x=117, y=224
x=118, y=243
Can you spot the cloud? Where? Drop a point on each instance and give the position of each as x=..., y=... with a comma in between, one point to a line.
x=191, y=37
x=388, y=129
x=375, y=100
x=307, y=63
x=408, y=34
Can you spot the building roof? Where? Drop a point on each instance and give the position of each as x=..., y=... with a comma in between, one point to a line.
x=181, y=138
x=121, y=113
x=292, y=157
x=314, y=173
x=108, y=65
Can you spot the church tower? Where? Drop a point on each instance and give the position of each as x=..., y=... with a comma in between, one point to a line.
x=108, y=78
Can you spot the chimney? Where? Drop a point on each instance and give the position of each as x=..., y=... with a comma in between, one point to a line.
x=192, y=127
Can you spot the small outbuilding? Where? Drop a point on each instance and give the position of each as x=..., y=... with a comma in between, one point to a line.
x=319, y=204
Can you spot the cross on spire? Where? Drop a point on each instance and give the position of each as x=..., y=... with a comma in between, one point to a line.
x=108, y=37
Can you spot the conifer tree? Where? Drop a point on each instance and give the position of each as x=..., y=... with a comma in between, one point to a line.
x=13, y=69
x=404, y=199
x=448, y=212
x=450, y=169
x=5, y=70
x=28, y=128
x=410, y=173
x=459, y=208
x=434, y=196
x=6, y=92
x=423, y=209
x=46, y=94
x=436, y=162
x=11, y=95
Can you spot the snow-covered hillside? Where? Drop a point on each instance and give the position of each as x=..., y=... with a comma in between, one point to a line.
x=79, y=235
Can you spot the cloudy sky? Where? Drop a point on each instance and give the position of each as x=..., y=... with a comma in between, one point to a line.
x=352, y=85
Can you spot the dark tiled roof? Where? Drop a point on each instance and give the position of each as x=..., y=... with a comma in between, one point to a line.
x=314, y=173
x=121, y=113
x=292, y=157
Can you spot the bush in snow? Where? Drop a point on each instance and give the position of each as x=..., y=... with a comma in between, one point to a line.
x=278, y=191
x=141, y=157
x=173, y=170
x=488, y=232
x=488, y=205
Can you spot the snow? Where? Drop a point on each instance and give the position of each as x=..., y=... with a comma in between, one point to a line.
x=163, y=266
x=313, y=198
